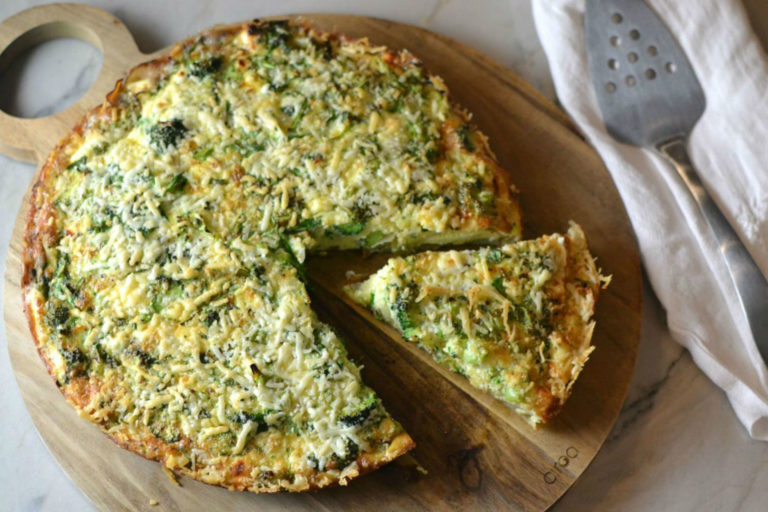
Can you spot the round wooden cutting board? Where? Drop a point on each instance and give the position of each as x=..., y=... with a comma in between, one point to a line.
x=472, y=452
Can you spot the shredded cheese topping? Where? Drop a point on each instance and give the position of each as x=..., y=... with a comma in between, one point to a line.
x=515, y=320
x=175, y=286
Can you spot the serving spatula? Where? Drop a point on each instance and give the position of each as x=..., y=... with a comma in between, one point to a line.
x=649, y=96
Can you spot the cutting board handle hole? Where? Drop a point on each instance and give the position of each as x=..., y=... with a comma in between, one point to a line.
x=56, y=53
x=59, y=55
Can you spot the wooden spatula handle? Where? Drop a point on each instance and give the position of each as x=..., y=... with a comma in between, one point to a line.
x=31, y=140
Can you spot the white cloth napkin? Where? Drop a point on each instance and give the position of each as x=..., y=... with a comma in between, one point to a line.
x=730, y=149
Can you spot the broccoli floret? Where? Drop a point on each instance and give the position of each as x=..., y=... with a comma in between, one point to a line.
x=145, y=359
x=404, y=320
x=79, y=165
x=205, y=67
x=494, y=256
x=289, y=258
x=273, y=34
x=401, y=313
x=465, y=136
x=324, y=49
x=305, y=225
x=373, y=238
x=201, y=155
x=350, y=228
x=58, y=316
x=241, y=418
x=361, y=412
x=177, y=184
x=73, y=357
x=105, y=357
x=166, y=134
x=341, y=461
x=211, y=318
x=76, y=363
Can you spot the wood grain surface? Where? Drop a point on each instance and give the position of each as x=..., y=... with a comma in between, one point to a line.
x=472, y=452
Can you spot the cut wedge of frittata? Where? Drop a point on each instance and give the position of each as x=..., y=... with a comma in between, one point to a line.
x=515, y=320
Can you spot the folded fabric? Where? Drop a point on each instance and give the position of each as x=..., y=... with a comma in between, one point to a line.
x=730, y=149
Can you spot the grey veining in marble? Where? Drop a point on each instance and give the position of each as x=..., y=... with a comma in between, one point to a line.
x=677, y=445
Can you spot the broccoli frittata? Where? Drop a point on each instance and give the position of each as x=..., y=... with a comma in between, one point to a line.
x=162, y=269
x=515, y=320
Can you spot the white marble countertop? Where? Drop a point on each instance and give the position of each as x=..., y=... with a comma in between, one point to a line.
x=676, y=446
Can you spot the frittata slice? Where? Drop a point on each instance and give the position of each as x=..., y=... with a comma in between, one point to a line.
x=515, y=320
x=276, y=127
x=217, y=368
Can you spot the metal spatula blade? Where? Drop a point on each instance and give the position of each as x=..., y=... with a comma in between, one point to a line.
x=646, y=89
x=649, y=96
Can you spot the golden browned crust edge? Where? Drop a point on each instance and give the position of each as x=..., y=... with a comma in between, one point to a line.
x=577, y=252
x=152, y=448
x=403, y=441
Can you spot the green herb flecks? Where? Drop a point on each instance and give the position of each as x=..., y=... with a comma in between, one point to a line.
x=79, y=165
x=202, y=154
x=465, y=137
x=176, y=185
x=305, y=225
x=358, y=414
x=350, y=228
x=206, y=67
